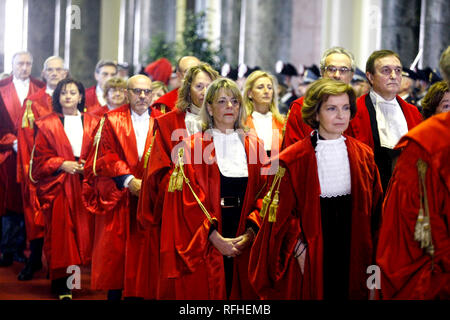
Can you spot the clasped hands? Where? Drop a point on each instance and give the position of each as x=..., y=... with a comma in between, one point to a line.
x=231, y=247
x=73, y=167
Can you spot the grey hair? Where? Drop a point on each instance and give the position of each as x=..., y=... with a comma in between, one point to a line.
x=340, y=50
x=21, y=53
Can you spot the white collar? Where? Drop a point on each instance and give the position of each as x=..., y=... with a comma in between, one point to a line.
x=136, y=116
x=376, y=98
x=193, y=109
x=21, y=82
x=258, y=115
x=49, y=91
x=73, y=115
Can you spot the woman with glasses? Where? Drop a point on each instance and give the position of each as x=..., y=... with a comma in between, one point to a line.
x=208, y=220
x=63, y=139
x=321, y=211
x=170, y=129
x=114, y=93
x=261, y=104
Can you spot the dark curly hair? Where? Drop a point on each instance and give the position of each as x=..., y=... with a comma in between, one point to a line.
x=57, y=93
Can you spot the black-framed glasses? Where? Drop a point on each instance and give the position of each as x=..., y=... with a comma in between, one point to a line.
x=138, y=91
x=333, y=70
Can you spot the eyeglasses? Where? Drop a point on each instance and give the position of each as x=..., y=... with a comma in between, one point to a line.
x=388, y=71
x=333, y=70
x=138, y=91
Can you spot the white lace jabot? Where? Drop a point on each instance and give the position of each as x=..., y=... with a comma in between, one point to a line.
x=333, y=167
x=263, y=127
x=192, y=120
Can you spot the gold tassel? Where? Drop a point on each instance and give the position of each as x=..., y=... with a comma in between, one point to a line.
x=265, y=204
x=28, y=116
x=274, y=207
x=179, y=181
x=173, y=178
x=163, y=108
x=422, y=230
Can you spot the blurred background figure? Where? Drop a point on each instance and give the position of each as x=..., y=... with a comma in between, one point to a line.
x=159, y=89
x=359, y=83
x=123, y=70
x=159, y=70
x=437, y=100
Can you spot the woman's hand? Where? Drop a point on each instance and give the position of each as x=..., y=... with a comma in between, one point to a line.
x=72, y=167
x=246, y=240
x=226, y=246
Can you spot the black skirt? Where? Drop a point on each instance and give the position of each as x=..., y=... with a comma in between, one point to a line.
x=232, y=189
x=336, y=233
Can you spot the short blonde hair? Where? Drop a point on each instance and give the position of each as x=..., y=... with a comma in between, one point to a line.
x=212, y=94
x=156, y=85
x=318, y=92
x=250, y=82
x=184, y=94
x=114, y=83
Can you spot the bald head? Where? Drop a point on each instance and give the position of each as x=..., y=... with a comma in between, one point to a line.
x=139, y=90
x=185, y=63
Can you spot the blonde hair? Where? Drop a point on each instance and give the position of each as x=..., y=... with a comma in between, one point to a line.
x=248, y=103
x=114, y=83
x=184, y=94
x=212, y=94
x=318, y=92
x=156, y=85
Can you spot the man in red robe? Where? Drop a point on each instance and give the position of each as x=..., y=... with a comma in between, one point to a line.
x=167, y=102
x=273, y=270
x=414, y=243
x=124, y=256
x=35, y=107
x=336, y=63
x=383, y=117
x=13, y=91
x=95, y=101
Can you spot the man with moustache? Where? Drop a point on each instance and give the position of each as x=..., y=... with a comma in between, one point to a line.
x=383, y=117
x=122, y=258
x=336, y=63
x=13, y=91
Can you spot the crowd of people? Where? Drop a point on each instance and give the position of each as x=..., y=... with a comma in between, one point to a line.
x=285, y=186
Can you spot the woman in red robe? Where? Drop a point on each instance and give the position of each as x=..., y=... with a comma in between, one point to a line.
x=170, y=129
x=208, y=219
x=62, y=140
x=261, y=104
x=320, y=214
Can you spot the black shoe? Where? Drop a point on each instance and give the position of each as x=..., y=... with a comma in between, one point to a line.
x=27, y=272
x=6, y=259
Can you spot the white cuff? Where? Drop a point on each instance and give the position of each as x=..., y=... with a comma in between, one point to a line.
x=14, y=146
x=128, y=180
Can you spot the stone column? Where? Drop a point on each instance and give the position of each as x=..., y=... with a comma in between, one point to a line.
x=436, y=35
x=85, y=42
x=2, y=34
x=400, y=28
x=267, y=32
x=41, y=32
x=230, y=28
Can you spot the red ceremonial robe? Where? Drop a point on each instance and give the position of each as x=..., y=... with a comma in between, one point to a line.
x=361, y=129
x=273, y=270
x=166, y=103
x=155, y=180
x=407, y=271
x=122, y=254
x=277, y=138
x=10, y=111
x=92, y=104
x=187, y=255
x=296, y=128
x=34, y=107
x=67, y=239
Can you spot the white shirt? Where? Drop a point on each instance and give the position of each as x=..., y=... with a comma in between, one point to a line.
x=230, y=154
x=140, y=126
x=73, y=127
x=192, y=120
x=263, y=127
x=22, y=88
x=391, y=121
x=333, y=167
x=49, y=91
x=100, y=98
